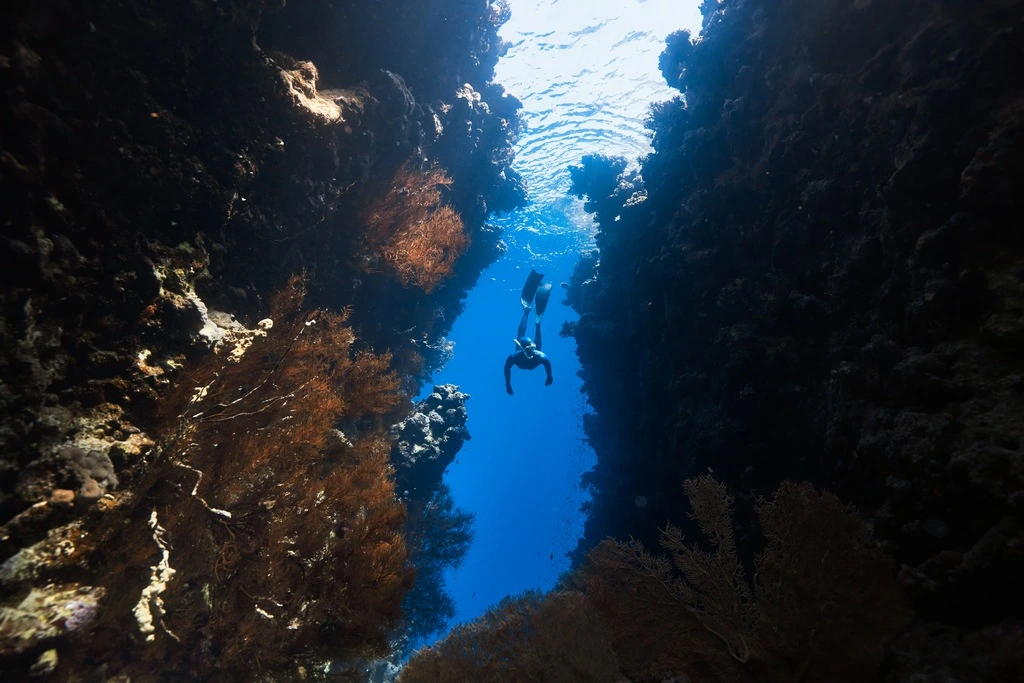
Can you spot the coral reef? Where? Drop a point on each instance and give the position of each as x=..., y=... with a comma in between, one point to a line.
x=817, y=274
x=261, y=540
x=438, y=533
x=235, y=178
x=165, y=170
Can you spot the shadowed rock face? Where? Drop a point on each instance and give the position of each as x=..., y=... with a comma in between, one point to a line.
x=825, y=281
x=164, y=168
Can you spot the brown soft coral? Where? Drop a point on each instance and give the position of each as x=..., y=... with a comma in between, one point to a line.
x=411, y=233
x=284, y=534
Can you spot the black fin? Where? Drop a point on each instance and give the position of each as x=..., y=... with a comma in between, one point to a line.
x=543, y=293
x=530, y=288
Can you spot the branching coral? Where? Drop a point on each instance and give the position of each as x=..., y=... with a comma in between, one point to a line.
x=160, y=574
x=287, y=535
x=821, y=607
x=411, y=232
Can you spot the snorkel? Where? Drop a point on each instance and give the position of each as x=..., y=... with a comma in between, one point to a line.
x=526, y=345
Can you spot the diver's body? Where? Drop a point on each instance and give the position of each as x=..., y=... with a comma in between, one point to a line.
x=528, y=354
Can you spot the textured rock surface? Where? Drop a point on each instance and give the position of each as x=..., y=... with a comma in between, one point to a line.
x=820, y=275
x=428, y=440
x=47, y=613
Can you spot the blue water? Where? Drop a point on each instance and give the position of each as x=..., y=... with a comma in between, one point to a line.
x=586, y=72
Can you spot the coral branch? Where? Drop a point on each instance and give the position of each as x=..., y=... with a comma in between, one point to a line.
x=411, y=233
x=292, y=511
x=195, y=491
x=151, y=599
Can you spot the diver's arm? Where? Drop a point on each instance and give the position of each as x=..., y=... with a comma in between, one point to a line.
x=547, y=368
x=508, y=375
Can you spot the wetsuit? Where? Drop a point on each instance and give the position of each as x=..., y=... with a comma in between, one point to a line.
x=528, y=354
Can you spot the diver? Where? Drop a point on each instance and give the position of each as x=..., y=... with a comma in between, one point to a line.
x=528, y=354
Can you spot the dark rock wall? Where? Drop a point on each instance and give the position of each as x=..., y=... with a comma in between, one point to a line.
x=821, y=275
x=164, y=167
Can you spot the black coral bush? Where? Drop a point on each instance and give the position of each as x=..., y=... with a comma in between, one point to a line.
x=410, y=232
x=284, y=533
x=821, y=606
x=438, y=535
x=534, y=637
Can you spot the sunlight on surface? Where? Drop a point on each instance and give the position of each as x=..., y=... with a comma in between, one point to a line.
x=586, y=73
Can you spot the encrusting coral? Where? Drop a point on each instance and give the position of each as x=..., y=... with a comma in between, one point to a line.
x=46, y=614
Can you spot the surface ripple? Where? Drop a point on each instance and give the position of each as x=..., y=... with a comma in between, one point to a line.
x=586, y=82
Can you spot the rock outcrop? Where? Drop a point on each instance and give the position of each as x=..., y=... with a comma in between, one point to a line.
x=428, y=440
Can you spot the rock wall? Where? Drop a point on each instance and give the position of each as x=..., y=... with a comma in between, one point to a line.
x=818, y=274
x=164, y=168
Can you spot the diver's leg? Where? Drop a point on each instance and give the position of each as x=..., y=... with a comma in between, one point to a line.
x=522, y=323
x=536, y=335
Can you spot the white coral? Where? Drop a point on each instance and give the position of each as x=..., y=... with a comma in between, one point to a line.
x=160, y=574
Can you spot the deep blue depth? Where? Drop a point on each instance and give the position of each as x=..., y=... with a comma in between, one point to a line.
x=520, y=472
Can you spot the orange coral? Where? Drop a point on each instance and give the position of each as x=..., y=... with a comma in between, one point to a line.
x=822, y=606
x=285, y=534
x=410, y=232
